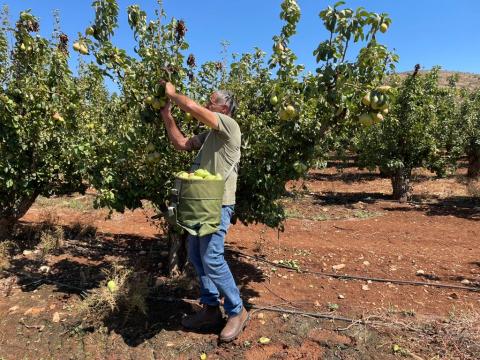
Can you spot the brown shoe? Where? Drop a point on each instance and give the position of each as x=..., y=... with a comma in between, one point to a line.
x=235, y=325
x=207, y=318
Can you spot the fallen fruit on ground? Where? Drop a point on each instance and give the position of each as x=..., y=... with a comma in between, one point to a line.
x=112, y=286
x=264, y=340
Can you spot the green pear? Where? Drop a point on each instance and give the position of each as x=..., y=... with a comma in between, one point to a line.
x=384, y=89
x=201, y=172
x=149, y=100
x=291, y=112
x=365, y=119
x=366, y=100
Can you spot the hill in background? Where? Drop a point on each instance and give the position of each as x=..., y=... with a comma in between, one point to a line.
x=465, y=80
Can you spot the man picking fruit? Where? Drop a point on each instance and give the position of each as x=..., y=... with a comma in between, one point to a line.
x=219, y=153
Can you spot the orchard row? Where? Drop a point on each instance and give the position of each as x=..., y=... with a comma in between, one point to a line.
x=61, y=133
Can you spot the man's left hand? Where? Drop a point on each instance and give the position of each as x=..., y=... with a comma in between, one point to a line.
x=166, y=110
x=169, y=88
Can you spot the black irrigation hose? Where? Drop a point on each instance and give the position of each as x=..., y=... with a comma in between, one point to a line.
x=273, y=308
x=324, y=274
x=339, y=276
x=356, y=277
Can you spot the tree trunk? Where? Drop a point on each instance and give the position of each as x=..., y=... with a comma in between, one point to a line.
x=401, y=185
x=6, y=227
x=384, y=173
x=473, y=166
x=9, y=216
x=177, y=259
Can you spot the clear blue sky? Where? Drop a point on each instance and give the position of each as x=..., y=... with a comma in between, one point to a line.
x=429, y=32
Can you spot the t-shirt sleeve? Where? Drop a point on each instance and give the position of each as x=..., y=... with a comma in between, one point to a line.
x=227, y=127
x=202, y=136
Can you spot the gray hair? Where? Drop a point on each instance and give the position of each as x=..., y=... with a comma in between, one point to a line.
x=227, y=98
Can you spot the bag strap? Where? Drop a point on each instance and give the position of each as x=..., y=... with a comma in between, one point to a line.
x=233, y=165
x=200, y=151
x=204, y=141
x=231, y=168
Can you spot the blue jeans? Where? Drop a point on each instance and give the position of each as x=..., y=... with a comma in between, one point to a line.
x=216, y=279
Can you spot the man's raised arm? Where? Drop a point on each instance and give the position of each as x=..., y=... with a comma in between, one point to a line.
x=199, y=112
x=179, y=141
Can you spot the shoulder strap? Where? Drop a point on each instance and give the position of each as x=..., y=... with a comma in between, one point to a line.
x=196, y=162
x=204, y=141
x=236, y=163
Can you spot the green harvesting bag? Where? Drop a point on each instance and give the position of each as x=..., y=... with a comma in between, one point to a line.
x=197, y=205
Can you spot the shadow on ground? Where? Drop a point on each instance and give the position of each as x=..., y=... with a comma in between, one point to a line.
x=458, y=206
x=358, y=176
x=77, y=268
x=344, y=198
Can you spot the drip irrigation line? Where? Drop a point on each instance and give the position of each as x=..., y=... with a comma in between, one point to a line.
x=324, y=274
x=357, y=277
x=272, y=308
x=176, y=300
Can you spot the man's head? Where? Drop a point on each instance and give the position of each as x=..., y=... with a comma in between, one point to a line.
x=222, y=101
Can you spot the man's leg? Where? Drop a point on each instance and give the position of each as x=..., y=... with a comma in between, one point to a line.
x=210, y=315
x=209, y=294
x=217, y=269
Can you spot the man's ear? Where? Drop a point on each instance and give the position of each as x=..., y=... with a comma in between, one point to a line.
x=225, y=110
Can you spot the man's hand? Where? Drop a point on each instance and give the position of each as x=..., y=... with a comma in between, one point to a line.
x=166, y=110
x=186, y=104
x=169, y=88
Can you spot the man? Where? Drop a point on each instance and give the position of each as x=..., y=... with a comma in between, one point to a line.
x=220, y=153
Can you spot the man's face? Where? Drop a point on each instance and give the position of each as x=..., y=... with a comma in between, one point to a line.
x=214, y=104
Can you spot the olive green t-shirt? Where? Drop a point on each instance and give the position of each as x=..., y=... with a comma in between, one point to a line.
x=221, y=150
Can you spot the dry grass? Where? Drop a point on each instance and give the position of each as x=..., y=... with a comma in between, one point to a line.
x=457, y=337
x=75, y=202
x=46, y=235
x=473, y=188
x=51, y=240
x=460, y=336
x=50, y=234
x=6, y=247
x=127, y=296
x=84, y=231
